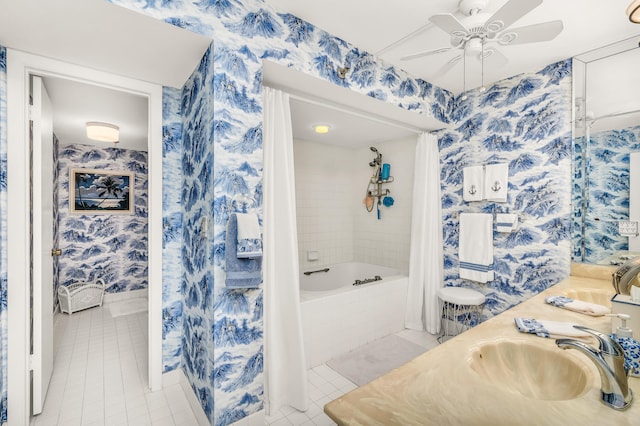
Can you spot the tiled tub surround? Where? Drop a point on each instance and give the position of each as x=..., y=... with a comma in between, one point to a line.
x=440, y=387
x=341, y=319
x=331, y=182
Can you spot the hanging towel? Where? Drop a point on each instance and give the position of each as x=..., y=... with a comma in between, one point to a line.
x=249, y=237
x=241, y=272
x=587, y=308
x=549, y=329
x=476, y=247
x=496, y=181
x=472, y=185
x=506, y=222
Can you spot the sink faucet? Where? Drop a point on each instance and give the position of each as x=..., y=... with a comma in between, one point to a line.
x=609, y=359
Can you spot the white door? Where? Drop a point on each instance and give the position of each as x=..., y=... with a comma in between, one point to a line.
x=42, y=235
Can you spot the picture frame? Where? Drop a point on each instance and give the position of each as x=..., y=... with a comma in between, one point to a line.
x=93, y=191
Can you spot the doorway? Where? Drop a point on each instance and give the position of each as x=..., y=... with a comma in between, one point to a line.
x=20, y=67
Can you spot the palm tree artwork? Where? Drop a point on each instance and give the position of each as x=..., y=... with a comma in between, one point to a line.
x=100, y=190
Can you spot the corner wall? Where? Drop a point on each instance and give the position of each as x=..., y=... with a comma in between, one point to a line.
x=524, y=121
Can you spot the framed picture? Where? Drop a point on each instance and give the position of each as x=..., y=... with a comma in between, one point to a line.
x=101, y=191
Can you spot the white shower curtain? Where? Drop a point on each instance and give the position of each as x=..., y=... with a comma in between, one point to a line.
x=285, y=372
x=426, y=258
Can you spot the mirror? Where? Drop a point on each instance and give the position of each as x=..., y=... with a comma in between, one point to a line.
x=606, y=133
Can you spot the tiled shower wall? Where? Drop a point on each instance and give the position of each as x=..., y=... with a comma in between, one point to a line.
x=331, y=182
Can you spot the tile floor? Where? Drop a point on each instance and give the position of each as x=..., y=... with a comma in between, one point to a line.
x=326, y=385
x=100, y=375
x=100, y=378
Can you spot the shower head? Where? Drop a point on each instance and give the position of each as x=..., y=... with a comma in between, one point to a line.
x=373, y=149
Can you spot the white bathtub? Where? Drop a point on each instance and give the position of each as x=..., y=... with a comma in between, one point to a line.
x=338, y=316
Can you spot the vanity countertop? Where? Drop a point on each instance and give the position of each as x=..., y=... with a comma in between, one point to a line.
x=440, y=388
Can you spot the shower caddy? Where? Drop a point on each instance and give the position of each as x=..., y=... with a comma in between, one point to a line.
x=374, y=187
x=78, y=296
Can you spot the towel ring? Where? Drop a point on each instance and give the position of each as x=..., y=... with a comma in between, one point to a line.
x=472, y=190
x=496, y=186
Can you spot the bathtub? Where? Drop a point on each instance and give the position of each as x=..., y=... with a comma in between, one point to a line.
x=338, y=316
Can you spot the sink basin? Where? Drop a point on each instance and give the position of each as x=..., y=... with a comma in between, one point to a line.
x=532, y=371
x=601, y=297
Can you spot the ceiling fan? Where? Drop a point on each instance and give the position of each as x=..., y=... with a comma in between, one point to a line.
x=476, y=29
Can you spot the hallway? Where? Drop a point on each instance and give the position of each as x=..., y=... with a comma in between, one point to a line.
x=100, y=375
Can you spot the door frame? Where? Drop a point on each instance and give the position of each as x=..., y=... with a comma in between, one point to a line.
x=20, y=66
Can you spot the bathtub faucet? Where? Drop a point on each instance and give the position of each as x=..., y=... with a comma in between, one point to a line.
x=367, y=280
x=609, y=359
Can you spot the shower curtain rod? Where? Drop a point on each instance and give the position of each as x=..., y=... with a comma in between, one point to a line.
x=355, y=112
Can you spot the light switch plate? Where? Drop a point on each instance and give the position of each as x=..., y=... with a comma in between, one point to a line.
x=628, y=228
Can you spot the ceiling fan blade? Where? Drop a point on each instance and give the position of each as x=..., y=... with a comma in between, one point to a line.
x=496, y=58
x=449, y=24
x=510, y=13
x=425, y=53
x=531, y=33
x=446, y=67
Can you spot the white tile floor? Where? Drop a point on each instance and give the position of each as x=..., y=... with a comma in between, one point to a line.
x=326, y=385
x=100, y=378
x=100, y=375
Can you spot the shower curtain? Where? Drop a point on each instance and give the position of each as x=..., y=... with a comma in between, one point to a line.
x=426, y=258
x=286, y=373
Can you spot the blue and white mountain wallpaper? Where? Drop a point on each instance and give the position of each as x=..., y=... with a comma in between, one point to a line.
x=608, y=183
x=171, y=229
x=525, y=122
x=3, y=235
x=108, y=246
x=213, y=153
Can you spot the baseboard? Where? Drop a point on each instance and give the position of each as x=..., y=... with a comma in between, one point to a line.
x=255, y=419
x=201, y=417
x=117, y=297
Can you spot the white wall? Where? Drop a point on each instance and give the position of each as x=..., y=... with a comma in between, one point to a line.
x=386, y=242
x=331, y=183
x=324, y=198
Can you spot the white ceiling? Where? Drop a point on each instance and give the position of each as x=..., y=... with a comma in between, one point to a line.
x=588, y=24
x=99, y=35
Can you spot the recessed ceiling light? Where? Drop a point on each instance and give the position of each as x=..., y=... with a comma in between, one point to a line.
x=321, y=128
x=103, y=132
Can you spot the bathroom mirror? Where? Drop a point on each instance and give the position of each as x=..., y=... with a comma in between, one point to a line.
x=606, y=133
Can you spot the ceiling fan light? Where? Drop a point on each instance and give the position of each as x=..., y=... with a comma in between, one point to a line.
x=633, y=12
x=103, y=132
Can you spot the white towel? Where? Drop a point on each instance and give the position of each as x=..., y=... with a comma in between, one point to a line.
x=587, y=308
x=472, y=184
x=549, y=329
x=249, y=238
x=496, y=181
x=506, y=222
x=476, y=247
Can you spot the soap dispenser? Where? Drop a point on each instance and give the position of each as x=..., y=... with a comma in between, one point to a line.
x=623, y=330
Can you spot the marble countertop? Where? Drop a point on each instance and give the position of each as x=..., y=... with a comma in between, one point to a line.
x=440, y=387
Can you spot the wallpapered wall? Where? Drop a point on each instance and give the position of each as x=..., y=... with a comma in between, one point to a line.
x=108, y=246
x=525, y=122
x=171, y=229
x=228, y=81
x=608, y=182
x=245, y=32
x=3, y=235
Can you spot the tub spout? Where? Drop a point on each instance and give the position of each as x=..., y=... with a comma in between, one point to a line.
x=609, y=359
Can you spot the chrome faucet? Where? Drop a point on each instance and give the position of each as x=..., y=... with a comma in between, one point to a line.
x=609, y=359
